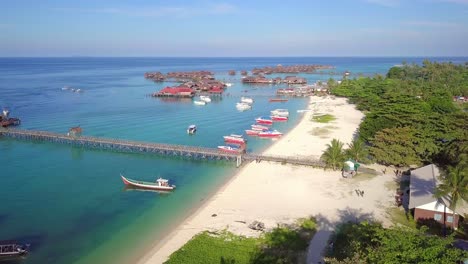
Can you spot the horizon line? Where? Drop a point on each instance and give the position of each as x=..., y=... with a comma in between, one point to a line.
x=331, y=56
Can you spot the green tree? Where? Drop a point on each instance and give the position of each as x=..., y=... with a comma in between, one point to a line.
x=334, y=156
x=395, y=146
x=357, y=151
x=454, y=185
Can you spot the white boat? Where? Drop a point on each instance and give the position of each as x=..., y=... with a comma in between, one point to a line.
x=304, y=110
x=233, y=138
x=243, y=106
x=280, y=112
x=160, y=184
x=230, y=149
x=191, y=129
x=197, y=102
x=270, y=134
x=205, y=98
x=246, y=100
x=228, y=84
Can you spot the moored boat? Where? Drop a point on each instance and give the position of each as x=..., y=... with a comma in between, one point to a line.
x=205, y=98
x=10, y=249
x=230, y=149
x=278, y=100
x=191, y=129
x=279, y=118
x=246, y=100
x=197, y=102
x=263, y=120
x=243, y=106
x=280, y=112
x=233, y=138
x=259, y=127
x=270, y=134
x=160, y=184
x=251, y=132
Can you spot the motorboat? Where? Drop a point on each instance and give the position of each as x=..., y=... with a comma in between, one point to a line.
x=197, y=102
x=246, y=100
x=280, y=112
x=259, y=127
x=228, y=84
x=233, y=138
x=251, y=132
x=270, y=134
x=230, y=149
x=160, y=184
x=264, y=121
x=10, y=250
x=278, y=100
x=191, y=129
x=205, y=98
x=243, y=106
x=279, y=118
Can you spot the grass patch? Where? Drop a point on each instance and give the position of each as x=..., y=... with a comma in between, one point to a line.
x=283, y=244
x=399, y=217
x=365, y=174
x=224, y=247
x=326, y=118
x=320, y=132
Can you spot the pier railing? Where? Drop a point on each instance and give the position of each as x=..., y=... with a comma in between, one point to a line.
x=122, y=145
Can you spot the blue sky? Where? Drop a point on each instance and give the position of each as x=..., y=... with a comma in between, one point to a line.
x=234, y=28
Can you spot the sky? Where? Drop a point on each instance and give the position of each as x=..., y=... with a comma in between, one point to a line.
x=152, y=28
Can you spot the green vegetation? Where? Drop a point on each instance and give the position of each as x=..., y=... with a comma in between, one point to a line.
x=454, y=185
x=357, y=151
x=334, y=155
x=326, y=118
x=284, y=244
x=410, y=116
x=371, y=243
x=224, y=247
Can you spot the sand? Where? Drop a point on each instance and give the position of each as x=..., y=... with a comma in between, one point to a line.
x=274, y=193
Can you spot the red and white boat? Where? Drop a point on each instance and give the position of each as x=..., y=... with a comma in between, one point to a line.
x=264, y=121
x=233, y=138
x=270, y=134
x=230, y=149
x=279, y=118
x=259, y=127
x=251, y=132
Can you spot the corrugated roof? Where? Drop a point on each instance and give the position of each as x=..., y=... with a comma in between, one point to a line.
x=423, y=182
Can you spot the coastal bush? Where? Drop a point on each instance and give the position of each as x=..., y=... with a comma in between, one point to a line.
x=416, y=100
x=224, y=247
x=371, y=243
x=283, y=244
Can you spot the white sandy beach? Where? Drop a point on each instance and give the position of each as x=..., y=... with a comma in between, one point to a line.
x=273, y=193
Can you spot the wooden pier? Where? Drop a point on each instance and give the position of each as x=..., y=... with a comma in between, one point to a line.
x=128, y=146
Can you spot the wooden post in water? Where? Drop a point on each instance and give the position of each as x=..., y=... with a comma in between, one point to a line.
x=238, y=161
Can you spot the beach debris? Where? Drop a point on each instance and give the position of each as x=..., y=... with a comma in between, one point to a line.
x=240, y=221
x=214, y=215
x=256, y=225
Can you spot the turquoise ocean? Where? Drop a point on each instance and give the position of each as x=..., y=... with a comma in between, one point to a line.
x=69, y=203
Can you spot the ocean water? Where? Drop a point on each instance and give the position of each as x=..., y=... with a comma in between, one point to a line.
x=70, y=203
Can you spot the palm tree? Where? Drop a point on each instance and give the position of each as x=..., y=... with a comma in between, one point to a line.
x=453, y=186
x=334, y=155
x=357, y=150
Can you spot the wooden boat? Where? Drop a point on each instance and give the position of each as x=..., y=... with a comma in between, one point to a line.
x=270, y=134
x=259, y=127
x=10, y=249
x=264, y=121
x=233, y=138
x=279, y=118
x=251, y=132
x=280, y=112
x=160, y=184
x=230, y=149
x=278, y=100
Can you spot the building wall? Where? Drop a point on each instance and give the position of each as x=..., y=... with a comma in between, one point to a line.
x=427, y=214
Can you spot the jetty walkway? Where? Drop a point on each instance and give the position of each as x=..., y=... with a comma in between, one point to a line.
x=129, y=146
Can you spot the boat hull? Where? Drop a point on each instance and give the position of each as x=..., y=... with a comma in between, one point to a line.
x=264, y=122
x=252, y=132
x=146, y=185
x=279, y=118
